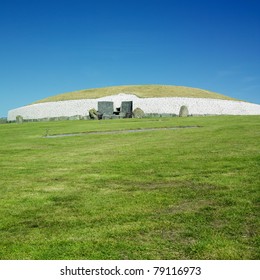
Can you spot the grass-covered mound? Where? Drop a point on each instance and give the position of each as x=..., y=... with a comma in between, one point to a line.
x=165, y=194
x=140, y=91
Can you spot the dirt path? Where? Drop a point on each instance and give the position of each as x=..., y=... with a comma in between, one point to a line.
x=118, y=131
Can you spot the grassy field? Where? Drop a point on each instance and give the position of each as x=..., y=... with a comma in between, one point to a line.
x=139, y=90
x=173, y=194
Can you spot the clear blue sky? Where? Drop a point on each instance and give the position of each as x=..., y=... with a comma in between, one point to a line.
x=55, y=46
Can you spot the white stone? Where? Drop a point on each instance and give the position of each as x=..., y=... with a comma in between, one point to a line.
x=162, y=105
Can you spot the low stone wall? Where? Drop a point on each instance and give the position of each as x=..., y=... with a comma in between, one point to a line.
x=3, y=120
x=160, y=106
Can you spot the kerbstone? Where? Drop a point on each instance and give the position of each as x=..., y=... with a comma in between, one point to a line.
x=150, y=106
x=106, y=117
x=3, y=120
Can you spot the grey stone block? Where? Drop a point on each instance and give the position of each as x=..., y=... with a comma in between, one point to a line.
x=122, y=115
x=106, y=107
x=152, y=115
x=127, y=107
x=106, y=117
x=63, y=118
x=74, y=118
x=165, y=115
x=85, y=117
x=44, y=120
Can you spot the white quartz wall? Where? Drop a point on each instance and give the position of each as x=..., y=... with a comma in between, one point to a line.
x=168, y=105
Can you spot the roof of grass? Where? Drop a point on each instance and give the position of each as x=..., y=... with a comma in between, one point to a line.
x=138, y=90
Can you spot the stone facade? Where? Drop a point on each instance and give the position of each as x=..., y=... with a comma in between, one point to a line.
x=159, y=106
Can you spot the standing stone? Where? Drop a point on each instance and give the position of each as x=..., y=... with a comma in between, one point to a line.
x=126, y=109
x=184, y=112
x=138, y=113
x=19, y=119
x=93, y=114
x=106, y=108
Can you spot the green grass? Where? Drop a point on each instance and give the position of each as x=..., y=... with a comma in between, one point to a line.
x=139, y=90
x=172, y=194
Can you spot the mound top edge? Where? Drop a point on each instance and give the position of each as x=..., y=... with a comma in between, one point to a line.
x=141, y=91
